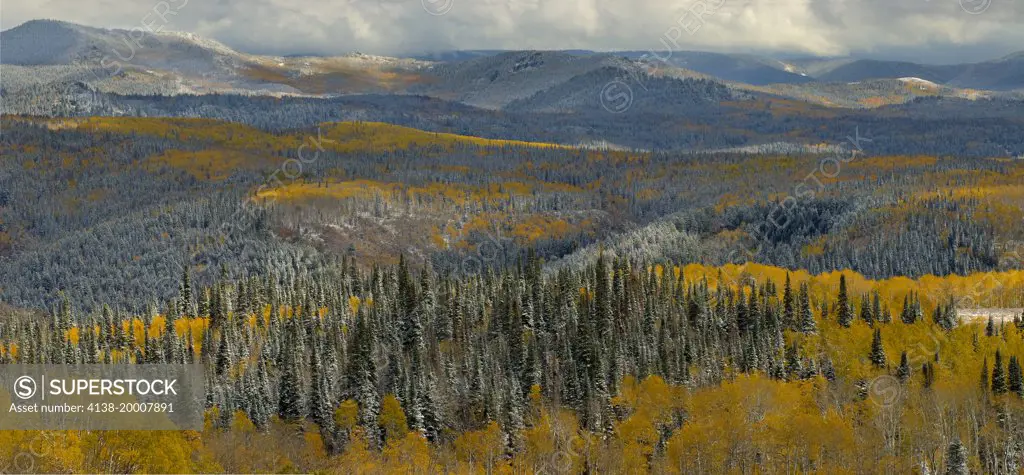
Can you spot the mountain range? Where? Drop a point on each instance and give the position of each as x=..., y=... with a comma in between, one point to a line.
x=47, y=63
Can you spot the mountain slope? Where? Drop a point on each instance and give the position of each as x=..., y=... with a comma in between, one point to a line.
x=172, y=62
x=744, y=68
x=495, y=81
x=1005, y=73
x=1001, y=74
x=865, y=69
x=612, y=89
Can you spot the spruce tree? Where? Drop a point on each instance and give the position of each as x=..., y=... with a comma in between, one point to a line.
x=320, y=403
x=363, y=376
x=807, y=323
x=204, y=303
x=185, y=304
x=788, y=306
x=1015, y=377
x=903, y=372
x=956, y=459
x=170, y=339
x=225, y=358
x=291, y=402
x=905, y=315
x=999, y=385
x=843, y=310
x=876, y=308
x=866, y=313
x=877, y=350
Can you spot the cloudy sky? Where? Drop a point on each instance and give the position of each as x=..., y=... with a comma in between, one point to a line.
x=922, y=30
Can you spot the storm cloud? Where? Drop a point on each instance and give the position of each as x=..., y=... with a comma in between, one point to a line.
x=927, y=30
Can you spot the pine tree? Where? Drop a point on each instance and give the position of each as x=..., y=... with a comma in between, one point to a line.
x=876, y=308
x=1015, y=377
x=170, y=339
x=204, y=303
x=956, y=459
x=602, y=300
x=911, y=312
x=433, y=419
x=946, y=315
x=320, y=403
x=844, y=313
x=866, y=313
x=407, y=303
x=999, y=385
x=788, y=307
x=185, y=304
x=793, y=365
x=877, y=350
x=225, y=358
x=363, y=377
x=905, y=311
x=903, y=372
x=807, y=323
x=64, y=317
x=291, y=401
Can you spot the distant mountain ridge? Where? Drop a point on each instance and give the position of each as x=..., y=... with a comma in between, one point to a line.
x=53, y=68
x=1000, y=74
x=175, y=62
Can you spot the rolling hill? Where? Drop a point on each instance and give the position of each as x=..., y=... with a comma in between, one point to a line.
x=1002, y=74
x=60, y=68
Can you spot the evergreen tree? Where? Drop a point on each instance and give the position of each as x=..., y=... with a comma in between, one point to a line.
x=956, y=459
x=1015, y=377
x=170, y=339
x=843, y=311
x=363, y=377
x=999, y=385
x=877, y=350
x=291, y=400
x=903, y=372
x=788, y=307
x=225, y=358
x=807, y=323
x=320, y=403
x=946, y=315
x=204, y=303
x=876, y=308
x=865, y=310
x=185, y=304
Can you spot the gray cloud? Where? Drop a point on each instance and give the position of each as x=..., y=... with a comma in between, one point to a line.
x=936, y=29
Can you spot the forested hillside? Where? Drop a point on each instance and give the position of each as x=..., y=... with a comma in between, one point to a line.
x=618, y=367
x=106, y=208
x=663, y=114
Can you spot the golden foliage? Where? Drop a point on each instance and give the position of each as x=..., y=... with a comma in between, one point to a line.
x=392, y=418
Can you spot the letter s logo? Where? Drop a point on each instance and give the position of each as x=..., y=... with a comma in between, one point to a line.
x=25, y=387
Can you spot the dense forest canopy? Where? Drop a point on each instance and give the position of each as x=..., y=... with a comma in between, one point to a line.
x=615, y=367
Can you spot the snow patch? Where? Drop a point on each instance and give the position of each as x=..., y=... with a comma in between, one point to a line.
x=202, y=42
x=919, y=81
